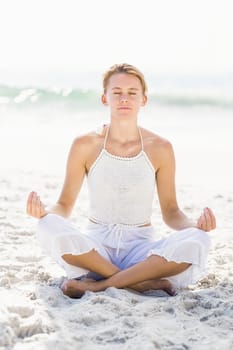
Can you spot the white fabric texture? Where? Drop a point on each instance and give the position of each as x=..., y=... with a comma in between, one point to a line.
x=57, y=236
x=121, y=189
x=124, y=246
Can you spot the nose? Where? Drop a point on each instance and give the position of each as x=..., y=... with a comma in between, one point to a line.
x=123, y=98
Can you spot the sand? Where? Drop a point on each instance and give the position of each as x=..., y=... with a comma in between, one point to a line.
x=34, y=314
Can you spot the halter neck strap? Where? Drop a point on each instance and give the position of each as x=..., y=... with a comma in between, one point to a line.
x=140, y=133
x=107, y=132
x=106, y=136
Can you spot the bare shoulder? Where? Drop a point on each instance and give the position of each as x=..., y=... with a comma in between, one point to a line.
x=154, y=141
x=87, y=141
x=88, y=146
x=158, y=148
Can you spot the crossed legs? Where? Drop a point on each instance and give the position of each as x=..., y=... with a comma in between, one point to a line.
x=148, y=274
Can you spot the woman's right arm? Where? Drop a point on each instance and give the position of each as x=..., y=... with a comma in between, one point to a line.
x=75, y=173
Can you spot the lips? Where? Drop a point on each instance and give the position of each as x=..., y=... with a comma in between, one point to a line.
x=124, y=108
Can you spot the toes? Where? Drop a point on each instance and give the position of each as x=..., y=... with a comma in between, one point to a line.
x=69, y=289
x=169, y=288
x=171, y=291
x=64, y=287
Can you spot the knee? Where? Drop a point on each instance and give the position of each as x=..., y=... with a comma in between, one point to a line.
x=68, y=258
x=80, y=259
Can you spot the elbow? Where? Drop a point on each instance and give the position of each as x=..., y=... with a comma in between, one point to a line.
x=169, y=216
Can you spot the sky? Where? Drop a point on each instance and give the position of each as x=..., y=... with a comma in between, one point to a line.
x=63, y=37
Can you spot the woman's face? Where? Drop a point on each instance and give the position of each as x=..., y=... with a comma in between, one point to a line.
x=124, y=95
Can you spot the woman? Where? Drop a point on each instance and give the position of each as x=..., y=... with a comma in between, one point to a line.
x=123, y=163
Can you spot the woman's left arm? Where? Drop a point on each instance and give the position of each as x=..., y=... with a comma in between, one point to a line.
x=165, y=178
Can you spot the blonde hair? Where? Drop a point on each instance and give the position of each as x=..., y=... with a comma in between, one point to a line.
x=127, y=69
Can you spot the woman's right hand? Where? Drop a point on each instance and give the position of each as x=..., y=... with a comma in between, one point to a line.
x=35, y=207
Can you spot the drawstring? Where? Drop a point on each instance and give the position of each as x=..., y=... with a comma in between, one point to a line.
x=113, y=233
x=117, y=229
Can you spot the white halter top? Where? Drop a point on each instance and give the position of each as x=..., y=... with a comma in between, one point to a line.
x=121, y=189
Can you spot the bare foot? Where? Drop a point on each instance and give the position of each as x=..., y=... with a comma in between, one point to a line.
x=76, y=288
x=162, y=284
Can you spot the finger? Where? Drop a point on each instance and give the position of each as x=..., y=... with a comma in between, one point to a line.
x=208, y=223
x=199, y=222
x=32, y=194
x=42, y=210
x=34, y=204
x=213, y=220
x=29, y=203
x=203, y=222
x=37, y=209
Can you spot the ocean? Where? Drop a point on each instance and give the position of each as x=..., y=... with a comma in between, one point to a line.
x=84, y=90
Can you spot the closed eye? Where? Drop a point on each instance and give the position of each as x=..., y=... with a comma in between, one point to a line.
x=118, y=93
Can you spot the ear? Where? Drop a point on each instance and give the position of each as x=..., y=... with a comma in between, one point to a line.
x=104, y=100
x=144, y=100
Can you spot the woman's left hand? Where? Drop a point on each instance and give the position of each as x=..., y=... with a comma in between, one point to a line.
x=206, y=221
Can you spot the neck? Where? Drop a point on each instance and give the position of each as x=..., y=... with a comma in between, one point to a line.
x=123, y=131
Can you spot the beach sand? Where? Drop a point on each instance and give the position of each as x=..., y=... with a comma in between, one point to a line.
x=34, y=314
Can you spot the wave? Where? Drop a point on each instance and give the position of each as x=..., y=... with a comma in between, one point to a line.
x=187, y=100
x=31, y=96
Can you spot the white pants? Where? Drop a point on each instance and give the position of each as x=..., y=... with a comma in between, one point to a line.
x=124, y=246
